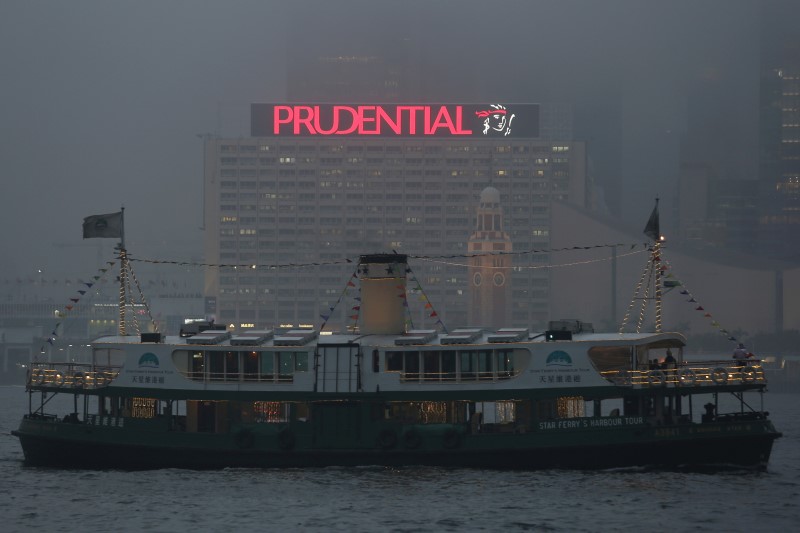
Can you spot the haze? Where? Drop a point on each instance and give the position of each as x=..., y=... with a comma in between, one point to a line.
x=103, y=104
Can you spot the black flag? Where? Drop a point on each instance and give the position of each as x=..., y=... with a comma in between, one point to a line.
x=652, y=229
x=109, y=225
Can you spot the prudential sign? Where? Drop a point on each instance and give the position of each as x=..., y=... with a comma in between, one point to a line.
x=395, y=120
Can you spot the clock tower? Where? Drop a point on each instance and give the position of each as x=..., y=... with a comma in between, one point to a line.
x=490, y=266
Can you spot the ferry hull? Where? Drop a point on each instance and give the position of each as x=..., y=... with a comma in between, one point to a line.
x=54, y=444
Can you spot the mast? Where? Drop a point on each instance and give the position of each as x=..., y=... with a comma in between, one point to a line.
x=652, y=273
x=123, y=275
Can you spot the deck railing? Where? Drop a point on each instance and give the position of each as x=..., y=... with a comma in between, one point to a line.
x=691, y=374
x=71, y=375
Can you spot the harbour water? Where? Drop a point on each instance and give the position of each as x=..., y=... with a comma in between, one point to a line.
x=402, y=500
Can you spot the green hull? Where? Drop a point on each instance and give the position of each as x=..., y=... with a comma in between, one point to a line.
x=740, y=443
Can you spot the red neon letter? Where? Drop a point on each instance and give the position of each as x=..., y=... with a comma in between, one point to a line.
x=334, y=121
x=442, y=120
x=428, y=130
x=277, y=120
x=459, y=128
x=412, y=117
x=303, y=115
x=396, y=126
x=367, y=116
x=355, y=124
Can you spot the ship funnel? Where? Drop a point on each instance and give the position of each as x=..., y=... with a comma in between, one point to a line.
x=383, y=288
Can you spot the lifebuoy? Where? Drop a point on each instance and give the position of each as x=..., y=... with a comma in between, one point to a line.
x=412, y=439
x=285, y=439
x=387, y=439
x=657, y=377
x=719, y=376
x=77, y=380
x=451, y=439
x=245, y=439
x=749, y=374
x=687, y=377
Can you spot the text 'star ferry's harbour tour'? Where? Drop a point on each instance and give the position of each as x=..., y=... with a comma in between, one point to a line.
x=381, y=395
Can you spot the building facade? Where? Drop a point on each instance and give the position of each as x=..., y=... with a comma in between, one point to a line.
x=779, y=132
x=286, y=207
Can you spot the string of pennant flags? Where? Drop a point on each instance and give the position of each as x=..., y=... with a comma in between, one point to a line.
x=671, y=282
x=355, y=310
x=428, y=306
x=349, y=286
x=520, y=268
x=75, y=300
x=272, y=266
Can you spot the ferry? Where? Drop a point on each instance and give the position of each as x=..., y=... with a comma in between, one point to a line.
x=508, y=398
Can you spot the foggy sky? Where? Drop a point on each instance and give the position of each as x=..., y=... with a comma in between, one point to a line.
x=101, y=103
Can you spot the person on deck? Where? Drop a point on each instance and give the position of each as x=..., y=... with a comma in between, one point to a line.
x=669, y=360
x=740, y=355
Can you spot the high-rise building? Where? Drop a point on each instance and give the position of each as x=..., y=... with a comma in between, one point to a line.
x=779, y=131
x=315, y=185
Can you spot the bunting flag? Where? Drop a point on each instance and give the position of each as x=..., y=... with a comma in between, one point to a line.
x=712, y=322
x=632, y=246
x=427, y=305
x=345, y=292
x=75, y=300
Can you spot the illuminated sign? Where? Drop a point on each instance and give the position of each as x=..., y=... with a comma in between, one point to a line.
x=395, y=120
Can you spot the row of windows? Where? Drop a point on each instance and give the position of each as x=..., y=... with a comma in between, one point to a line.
x=280, y=366
x=236, y=366
x=472, y=365
x=228, y=179
x=403, y=148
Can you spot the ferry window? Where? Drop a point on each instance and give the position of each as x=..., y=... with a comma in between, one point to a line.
x=231, y=366
x=250, y=366
x=411, y=365
x=504, y=363
x=271, y=412
x=301, y=361
x=394, y=361
x=143, y=407
x=611, y=361
x=448, y=366
x=505, y=412
x=484, y=367
x=267, y=366
x=108, y=357
x=285, y=365
x=216, y=366
x=562, y=407
x=469, y=365
x=198, y=366
x=431, y=362
x=182, y=360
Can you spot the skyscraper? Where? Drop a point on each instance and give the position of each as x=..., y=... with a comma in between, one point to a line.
x=779, y=131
